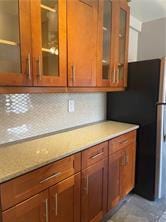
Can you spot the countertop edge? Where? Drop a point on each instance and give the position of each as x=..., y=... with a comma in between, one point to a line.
x=37, y=166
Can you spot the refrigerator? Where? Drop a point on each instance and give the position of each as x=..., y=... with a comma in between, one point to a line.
x=144, y=103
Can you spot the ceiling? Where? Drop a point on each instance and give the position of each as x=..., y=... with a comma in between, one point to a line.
x=148, y=10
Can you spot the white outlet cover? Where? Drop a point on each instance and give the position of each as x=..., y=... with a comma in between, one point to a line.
x=71, y=106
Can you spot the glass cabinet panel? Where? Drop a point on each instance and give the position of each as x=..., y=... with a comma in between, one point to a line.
x=122, y=43
x=50, y=43
x=107, y=17
x=10, y=55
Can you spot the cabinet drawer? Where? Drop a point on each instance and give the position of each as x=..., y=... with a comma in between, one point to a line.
x=25, y=186
x=94, y=154
x=121, y=141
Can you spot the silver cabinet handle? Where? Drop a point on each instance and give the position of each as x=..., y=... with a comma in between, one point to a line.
x=117, y=72
x=39, y=64
x=98, y=154
x=124, y=142
x=114, y=75
x=73, y=72
x=87, y=185
x=29, y=66
x=52, y=176
x=46, y=209
x=56, y=204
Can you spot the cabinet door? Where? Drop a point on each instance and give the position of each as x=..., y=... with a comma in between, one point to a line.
x=114, y=179
x=94, y=192
x=128, y=171
x=34, y=209
x=121, y=62
x=15, y=43
x=105, y=43
x=49, y=42
x=65, y=200
x=82, y=42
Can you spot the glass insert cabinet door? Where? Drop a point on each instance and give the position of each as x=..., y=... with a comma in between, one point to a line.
x=123, y=44
x=107, y=22
x=15, y=49
x=105, y=53
x=49, y=42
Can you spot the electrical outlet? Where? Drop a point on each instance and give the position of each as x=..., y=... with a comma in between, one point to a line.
x=71, y=106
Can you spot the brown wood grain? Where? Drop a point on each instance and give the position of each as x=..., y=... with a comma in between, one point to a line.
x=94, y=192
x=94, y=154
x=25, y=186
x=21, y=79
x=48, y=80
x=33, y=90
x=65, y=200
x=82, y=38
x=122, y=141
x=31, y=210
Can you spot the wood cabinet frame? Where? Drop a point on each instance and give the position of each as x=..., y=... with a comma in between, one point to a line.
x=39, y=78
x=24, y=78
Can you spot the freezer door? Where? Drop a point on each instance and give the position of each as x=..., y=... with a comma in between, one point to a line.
x=160, y=182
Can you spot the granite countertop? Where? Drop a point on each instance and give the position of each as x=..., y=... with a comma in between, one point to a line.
x=23, y=157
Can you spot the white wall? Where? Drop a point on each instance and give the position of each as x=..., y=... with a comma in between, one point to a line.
x=135, y=29
x=152, y=40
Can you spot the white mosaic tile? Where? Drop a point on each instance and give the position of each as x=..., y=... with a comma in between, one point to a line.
x=28, y=115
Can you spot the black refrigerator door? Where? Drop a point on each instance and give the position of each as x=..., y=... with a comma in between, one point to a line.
x=138, y=105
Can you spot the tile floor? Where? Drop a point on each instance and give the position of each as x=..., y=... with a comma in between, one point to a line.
x=137, y=209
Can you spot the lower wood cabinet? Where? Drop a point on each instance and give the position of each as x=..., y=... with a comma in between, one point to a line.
x=115, y=161
x=128, y=170
x=78, y=188
x=60, y=203
x=34, y=209
x=94, y=192
x=121, y=174
x=65, y=200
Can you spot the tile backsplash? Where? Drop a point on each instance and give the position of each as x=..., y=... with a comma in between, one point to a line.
x=28, y=115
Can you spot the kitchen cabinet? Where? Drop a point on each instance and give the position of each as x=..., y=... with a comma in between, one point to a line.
x=121, y=44
x=82, y=187
x=34, y=209
x=49, y=42
x=82, y=17
x=121, y=168
x=66, y=46
x=112, y=57
x=128, y=170
x=65, y=200
x=114, y=171
x=94, y=192
x=15, y=43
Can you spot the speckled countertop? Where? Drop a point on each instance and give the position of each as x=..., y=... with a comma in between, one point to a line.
x=23, y=157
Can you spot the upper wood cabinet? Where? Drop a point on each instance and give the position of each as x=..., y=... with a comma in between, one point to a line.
x=82, y=17
x=112, y=52
x=15, y=43
x=64, y=43
x=121, y=58
x=49, y=42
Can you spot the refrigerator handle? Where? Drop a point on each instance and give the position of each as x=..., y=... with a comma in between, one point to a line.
x=164, y=127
